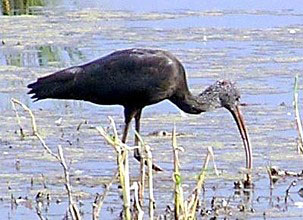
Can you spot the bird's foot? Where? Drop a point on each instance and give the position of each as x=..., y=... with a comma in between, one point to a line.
x=156, y=167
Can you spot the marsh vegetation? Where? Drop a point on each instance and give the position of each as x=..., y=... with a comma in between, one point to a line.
x=259, y=46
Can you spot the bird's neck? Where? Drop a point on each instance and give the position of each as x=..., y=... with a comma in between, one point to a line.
x=191, y=104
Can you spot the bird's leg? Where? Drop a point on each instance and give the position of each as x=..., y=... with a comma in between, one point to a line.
x=125, y=131
x=139, y=158
x=137, y=127
x=137, y=154
x=128, y=115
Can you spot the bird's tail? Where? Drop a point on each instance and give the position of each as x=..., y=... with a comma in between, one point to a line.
x=59, y=85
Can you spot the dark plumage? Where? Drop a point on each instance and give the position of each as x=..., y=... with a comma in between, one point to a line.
x=135, y=78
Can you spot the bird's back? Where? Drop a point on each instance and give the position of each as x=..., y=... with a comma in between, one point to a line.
x=133, y=77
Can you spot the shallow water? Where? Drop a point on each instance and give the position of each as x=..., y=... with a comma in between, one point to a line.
x=256, y=44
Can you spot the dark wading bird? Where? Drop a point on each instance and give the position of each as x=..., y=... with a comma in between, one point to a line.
x=135, y=78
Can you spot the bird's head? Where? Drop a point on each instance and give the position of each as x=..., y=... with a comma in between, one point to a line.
x=223, y=93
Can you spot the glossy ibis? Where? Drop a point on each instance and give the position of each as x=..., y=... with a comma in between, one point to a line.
x=135, y=78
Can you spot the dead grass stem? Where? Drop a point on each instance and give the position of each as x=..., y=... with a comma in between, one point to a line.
x=73, y=209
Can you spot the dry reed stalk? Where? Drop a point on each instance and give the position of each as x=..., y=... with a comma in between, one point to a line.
x=123, y=165
x=142, y=168
x=270, y=177
x=150, y=181
x=34, y=126
x=73, y=209
x=297, y=116
x=39, y=213
x=193, y=202
x=135, y=187
x=97, y=205
x=142, y=180
x=14, y=102
x=148, y=155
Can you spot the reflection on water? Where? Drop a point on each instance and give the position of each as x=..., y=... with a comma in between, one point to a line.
x=178, y=6
x=20, y=7
x=49, y=55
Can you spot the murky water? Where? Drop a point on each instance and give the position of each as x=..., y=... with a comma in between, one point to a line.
x=257, y=44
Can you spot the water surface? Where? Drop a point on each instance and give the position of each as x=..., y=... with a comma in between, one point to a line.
x=255, y=43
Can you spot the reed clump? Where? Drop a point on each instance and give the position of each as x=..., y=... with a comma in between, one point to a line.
x=187, y=209
x=184, y=209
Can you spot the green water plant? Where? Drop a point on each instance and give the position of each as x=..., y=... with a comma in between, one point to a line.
x=186, y=209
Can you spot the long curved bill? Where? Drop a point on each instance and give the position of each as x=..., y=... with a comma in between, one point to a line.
x=235, y=111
